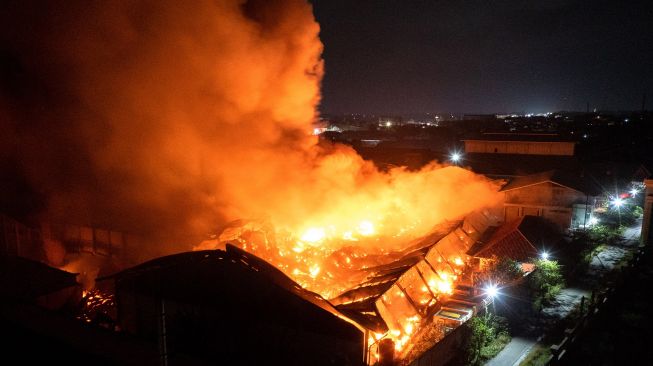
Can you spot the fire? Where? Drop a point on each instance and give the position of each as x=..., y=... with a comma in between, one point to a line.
x=366, y=228
x=313, y=235
x=219, y=137
x=97, y=307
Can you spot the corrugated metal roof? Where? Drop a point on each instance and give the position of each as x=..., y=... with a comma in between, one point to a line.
x=22, y=278
x=208, y=276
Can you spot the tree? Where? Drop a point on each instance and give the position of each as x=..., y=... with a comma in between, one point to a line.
x=502, y=271
x=481, y=333
x=488, y=335
x=545, y=282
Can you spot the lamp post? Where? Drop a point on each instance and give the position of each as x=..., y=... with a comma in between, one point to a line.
x=492, y=292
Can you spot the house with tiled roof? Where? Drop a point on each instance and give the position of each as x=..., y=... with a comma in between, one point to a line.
x=521, y=239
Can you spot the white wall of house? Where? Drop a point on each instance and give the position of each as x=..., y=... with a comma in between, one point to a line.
x=562, y=205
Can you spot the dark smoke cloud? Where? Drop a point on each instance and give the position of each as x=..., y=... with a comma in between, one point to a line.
x=130, y=114
x=170, y=118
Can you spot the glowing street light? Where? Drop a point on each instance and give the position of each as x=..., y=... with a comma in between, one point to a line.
x=545, y=256
x=634, y=191
x=491, y=291
x=617, y=202
x=455, y=157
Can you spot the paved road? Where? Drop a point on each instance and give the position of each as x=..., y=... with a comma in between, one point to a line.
x=632, y=233
x=514, y=352
x=519, y=346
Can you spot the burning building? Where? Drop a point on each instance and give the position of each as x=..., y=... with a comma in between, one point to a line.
x=124, y=136
x=405, y=300
x=230, y=305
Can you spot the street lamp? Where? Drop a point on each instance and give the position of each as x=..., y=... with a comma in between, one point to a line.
x=545, y=256
x=455, y=157
x=492, y=291
x=617, y=202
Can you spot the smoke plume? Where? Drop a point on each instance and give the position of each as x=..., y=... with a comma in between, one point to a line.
x=171, y=118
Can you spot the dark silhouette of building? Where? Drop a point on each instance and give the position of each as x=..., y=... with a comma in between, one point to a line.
x=230, y=307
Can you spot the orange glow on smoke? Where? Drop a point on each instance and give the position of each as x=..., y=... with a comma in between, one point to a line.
x=328, y=248
x=220, y=139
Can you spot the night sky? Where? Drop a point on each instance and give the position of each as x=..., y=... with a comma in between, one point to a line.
x=485, y=56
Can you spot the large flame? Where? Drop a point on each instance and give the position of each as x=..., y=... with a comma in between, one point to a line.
x=173, y=118
x=356, y=226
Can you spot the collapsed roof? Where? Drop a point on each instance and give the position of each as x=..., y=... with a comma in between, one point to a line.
x=409, y=287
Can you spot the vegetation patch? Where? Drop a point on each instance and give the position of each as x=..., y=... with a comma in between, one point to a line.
x=538, y=356
x=545, y=282
x=489, y=335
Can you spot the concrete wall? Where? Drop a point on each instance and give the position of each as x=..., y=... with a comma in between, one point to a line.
x=647, y=222
x=519, y=147
x=445, y=351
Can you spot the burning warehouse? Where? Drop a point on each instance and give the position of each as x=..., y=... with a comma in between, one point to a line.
x=174, y=147
x=231, y=306
x=408, y=304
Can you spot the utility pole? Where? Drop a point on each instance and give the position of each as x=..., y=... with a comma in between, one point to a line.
x=643, y=103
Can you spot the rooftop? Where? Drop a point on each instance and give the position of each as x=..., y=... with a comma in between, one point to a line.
x=575, y=180
x=511, y=136
x=520, y=239
x=25, y=279
x=206, y=278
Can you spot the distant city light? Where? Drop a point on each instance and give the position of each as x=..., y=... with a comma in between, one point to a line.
x=544, y=255
x=388, y=124
x=634, y=191
x=491, y=290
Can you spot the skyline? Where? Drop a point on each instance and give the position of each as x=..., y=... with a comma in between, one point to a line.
x=476, y=57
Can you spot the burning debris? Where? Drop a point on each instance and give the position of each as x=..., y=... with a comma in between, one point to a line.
x=404, y=295
x=98, y=307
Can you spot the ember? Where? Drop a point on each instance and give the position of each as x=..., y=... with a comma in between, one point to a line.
x=97, y=307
